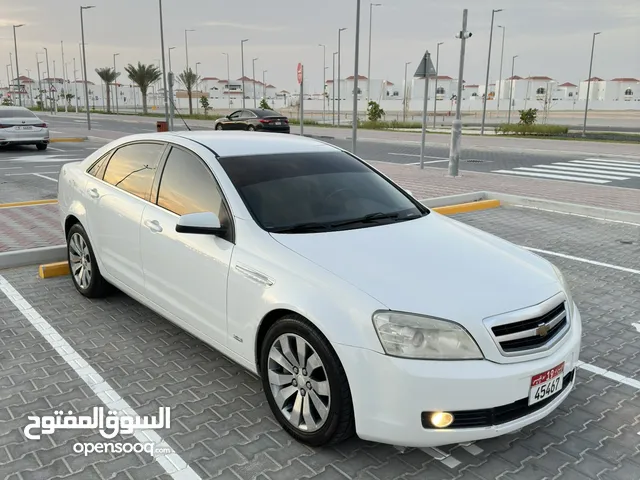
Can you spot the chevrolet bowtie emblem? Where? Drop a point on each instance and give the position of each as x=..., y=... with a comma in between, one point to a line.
x=542, y=330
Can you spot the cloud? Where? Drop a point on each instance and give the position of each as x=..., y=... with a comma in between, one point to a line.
x=246, y=26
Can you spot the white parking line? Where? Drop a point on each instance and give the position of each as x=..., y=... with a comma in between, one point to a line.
x=172, y=463
x=56, y=149
x=583, y=260
x=636, y=325
x=44, y=176
x=430, y=161
x=472, y=448
x=416, y=155
x=616, y=377
x=10, y=168
x=445, y=458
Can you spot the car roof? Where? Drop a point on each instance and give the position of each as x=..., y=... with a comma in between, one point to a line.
x=230, y=144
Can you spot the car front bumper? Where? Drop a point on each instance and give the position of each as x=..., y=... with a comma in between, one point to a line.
x=391, y=394
x=24, y=137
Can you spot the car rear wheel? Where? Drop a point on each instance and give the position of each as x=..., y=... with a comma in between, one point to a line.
x=41, y=146
x=83, y=265
x=219, y=126
x=251, y=128
x=305, y=383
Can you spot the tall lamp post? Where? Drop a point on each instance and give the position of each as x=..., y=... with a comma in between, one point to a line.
x=499, y=89
x=169, y=53
x=486, y=85
x=405, y=94
x=435, y=97
x=324, y=76
x=371, y=5
x=253, y=63
x=333, y=90
x=115, y=81
x=30, y=85
x=84, y=65
x=228, y=81
x=65, y=78
x=586, y=106
x=46, y=54
x=242, y=61
x=513, y=63
x=186, y=46
x=15, y=46
x=264, y=85
x=340, y=30
x=354, y=128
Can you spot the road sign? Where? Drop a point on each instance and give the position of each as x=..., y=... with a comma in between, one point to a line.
x=299, y=71
x=425, y=67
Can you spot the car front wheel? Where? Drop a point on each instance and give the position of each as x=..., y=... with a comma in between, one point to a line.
x=83, y=265
x=251, y=128
x=305, y=383
x=219, y=126
x=41, y=146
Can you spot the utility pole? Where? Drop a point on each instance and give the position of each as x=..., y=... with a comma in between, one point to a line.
x=242, y=61
x=15, y=45
x=486, y=86
x=586, y=106
x=340, y=30
x=456, y=128
x=84, y=67
x=354, y=128
x=75, y=82
x=435, y=89
x=46, y=53
x=513, y=63
x=164, y=70
x=115, y=81
x=371, y=5
x=333, y=91
x=253, y=62
x=324, y=77
x=504, y=29
x=405, y=94
x=64, y=78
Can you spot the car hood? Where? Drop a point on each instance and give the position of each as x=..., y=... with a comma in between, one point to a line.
x=433, y=266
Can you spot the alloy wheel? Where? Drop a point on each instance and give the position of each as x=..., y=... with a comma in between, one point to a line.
x=80, y=260
x=299, y=382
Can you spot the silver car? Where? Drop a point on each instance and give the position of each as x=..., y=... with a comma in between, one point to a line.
x=20, y=126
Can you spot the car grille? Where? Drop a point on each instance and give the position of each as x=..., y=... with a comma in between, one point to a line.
x=488, y=417
x=533, y=333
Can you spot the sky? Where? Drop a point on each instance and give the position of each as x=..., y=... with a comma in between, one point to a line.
x=550, y=37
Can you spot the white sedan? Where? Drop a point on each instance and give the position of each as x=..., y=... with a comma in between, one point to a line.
x=362, y=310
x=20, y=126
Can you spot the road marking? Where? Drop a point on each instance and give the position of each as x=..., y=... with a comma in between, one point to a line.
x=614, y=161
x=10, y=168
x=577, y=215
x=445, y=458
x=549, y=175
x=636, y=325
x=417, y=155
x=430, y=161
x=604, y=165
x=616, y=377
x=585, y=168
x=172, y=463
x=590, y=175
x=44, y=176
x=56, y=149
x=584, y=260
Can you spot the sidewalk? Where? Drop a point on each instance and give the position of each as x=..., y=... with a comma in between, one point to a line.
x=39, y=226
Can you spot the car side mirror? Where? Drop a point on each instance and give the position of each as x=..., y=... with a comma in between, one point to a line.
x=204, y=223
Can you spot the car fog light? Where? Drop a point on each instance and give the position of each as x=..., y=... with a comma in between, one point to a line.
x=441, y=419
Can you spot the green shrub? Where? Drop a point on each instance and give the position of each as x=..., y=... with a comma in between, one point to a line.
x=529, y=116
x=374, y=112
x=538, y=130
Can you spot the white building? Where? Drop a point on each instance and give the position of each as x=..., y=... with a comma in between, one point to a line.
x=566, y=91
x=446, y=87
x=614, y=90
x=530, y=88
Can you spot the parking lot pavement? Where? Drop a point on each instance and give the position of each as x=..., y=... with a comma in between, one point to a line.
x=31, y=226
x=61, y=351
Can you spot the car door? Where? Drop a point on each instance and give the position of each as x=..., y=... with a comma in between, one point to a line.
x=247, y=118
x=232, y=123
x=186, y=274
x=117, y=193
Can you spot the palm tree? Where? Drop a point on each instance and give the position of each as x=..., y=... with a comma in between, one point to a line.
x=108, y=76
x=189, y=80
x=143, y=76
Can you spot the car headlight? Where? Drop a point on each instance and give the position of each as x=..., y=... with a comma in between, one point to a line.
x=414, y=336
x=567, y=291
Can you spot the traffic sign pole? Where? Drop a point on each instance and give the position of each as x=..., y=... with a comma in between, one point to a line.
x=456, y=126
x=424, y=70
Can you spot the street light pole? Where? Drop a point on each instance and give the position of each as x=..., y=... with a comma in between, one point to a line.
x=486, y=85
x=354, y=128
x=513, y=62
x=15, y=45
x=333, y=90
x=371, y=5
x=65, y=77
x=435, y=97
x=84, y=66
x=75, y=82
x=30, y=85
x=169, y=50
x=340, y=30
x=456, y=127
x=264, y=85
x=253, y=62
x=38, y=62
x=324, y=76
x=115, y=81
x=242, y=61
x=586, y=107
x=46, y=53
x=504, y=29
x=405, y=94
x=228, y=81
x=186, y=46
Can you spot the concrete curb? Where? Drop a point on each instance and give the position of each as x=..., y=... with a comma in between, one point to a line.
x=319, y=137
x=68, y=139
x=454, y=199
x=32, y=256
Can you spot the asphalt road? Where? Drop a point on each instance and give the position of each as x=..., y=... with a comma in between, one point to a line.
x=221, y=426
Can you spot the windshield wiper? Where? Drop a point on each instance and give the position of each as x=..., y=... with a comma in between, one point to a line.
x=301, y=227
x=366, y=219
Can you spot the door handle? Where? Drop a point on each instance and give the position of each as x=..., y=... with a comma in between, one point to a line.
x=153, y=225
x=93, y=193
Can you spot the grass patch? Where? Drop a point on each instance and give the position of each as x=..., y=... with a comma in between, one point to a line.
x=535, y=130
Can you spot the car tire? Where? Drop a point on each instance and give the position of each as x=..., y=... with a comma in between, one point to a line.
x=41, y=146
x=251, y=128
x=331, y=409
x=219, y=126
x=81, y=259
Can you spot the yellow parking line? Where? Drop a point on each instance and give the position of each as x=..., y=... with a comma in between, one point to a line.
x=53, y=269
x=67, y=139
x=28, y=203
x=467, y=207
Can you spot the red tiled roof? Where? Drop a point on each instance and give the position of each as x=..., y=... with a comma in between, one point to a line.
x=271, y=86
x=515, y=77
x=329, y=81
x=83, y=81
x=474, y=86
x=360, y=77
x=568, y=84
x=210, y=78
x=387, y=82
x=625, y=79
x=595, y=79
x=539, y=78
x=23, y=79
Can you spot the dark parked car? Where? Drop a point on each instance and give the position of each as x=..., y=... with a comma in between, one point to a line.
x=254, y=119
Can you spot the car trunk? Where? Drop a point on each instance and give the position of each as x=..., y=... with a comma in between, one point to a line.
x=274, y=121
x=19, y=122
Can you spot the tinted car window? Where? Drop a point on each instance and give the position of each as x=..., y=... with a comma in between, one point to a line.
x=270, y=113
x=320, y=187
x=96, y=169
x=16, y=113
x=133, y=167
x=235, y=115
x=247, y=114
x=187, y=186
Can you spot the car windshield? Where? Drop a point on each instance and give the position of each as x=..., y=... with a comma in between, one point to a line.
x=16, y=113
x=319, y=191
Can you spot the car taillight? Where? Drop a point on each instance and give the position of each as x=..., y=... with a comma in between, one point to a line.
x=262, y=120
x=4, y=126
x=41, y=125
